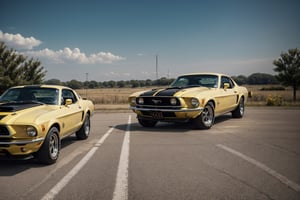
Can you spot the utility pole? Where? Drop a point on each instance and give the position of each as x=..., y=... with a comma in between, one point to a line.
x=156, y=67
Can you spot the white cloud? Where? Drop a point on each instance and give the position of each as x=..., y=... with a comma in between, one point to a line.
x=68, y=55
x=18, y=41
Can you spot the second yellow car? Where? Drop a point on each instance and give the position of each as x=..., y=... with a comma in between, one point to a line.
x=198, y=97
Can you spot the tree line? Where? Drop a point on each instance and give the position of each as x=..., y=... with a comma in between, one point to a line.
x=16, y=69
x=253, y=79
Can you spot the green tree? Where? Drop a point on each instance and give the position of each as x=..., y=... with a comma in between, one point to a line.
x=240, y=79
x=53, y=82
x=93, y=84
x=288, y=68
x=135, y=83
x=261, y=79
x=74, y=84
x=121, y=84
x=112, y=84
x=16, y=69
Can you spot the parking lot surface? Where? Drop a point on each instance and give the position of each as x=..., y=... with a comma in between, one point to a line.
x=256, y=157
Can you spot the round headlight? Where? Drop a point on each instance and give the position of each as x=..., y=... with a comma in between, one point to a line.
x=133, y=101
x=173, y=101
x=31, y=131
x=194, y=102
x=140, y=100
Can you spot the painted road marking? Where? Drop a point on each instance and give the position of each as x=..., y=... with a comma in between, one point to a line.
x=121, y=187
x=66, y=179
x=262, y=166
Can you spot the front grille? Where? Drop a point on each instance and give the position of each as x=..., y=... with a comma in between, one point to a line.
x=158, y=102
x=4, y=131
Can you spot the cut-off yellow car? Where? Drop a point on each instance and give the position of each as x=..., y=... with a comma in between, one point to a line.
x=35, y=118
x=198, y=97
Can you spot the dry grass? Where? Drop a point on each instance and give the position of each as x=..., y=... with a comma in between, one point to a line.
x=117, y=98
x=260, y=97
x=109, y=95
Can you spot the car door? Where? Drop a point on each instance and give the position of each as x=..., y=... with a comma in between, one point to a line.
x=72, y=113
x=227, y=97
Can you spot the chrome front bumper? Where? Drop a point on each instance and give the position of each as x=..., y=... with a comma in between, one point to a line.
x=166, y=110
x=23, y=142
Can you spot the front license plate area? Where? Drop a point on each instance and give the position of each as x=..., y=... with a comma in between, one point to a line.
x=157, y=115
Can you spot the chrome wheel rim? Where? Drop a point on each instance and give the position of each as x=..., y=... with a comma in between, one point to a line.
x=207, y=116
x=242, y=107
x=87, y=127
x=53, y=146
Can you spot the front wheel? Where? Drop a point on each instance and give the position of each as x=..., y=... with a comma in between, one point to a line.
x=206, y=119
x=240, y=109
x=49, y=151
x=84, y=131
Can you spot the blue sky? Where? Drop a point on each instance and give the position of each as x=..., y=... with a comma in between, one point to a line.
x=118, y=40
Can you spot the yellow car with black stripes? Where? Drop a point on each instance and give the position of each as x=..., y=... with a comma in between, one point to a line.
x=196, y=98
x=35, y=118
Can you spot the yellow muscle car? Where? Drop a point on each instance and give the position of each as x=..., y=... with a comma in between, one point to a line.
x=198, y=98
x=35, y=118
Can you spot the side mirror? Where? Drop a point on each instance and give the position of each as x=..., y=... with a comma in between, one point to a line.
x=68, y=102
x=226, y=86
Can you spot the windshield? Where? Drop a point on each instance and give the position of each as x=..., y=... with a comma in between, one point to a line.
x=31, y=94
x=210, y=81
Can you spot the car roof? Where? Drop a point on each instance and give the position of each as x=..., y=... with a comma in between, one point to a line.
x=205, y=73
x=42, y=86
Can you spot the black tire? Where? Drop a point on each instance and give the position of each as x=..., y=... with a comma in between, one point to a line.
x=147, y=123
x=49, y=151
x=206, y=119
x=84, y=132
x=240, y=109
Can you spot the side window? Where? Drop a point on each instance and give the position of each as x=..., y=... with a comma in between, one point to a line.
x=68, y=94
x=225, y=79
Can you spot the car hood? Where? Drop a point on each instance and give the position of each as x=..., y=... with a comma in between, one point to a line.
x=20, y=113
x=175, y=91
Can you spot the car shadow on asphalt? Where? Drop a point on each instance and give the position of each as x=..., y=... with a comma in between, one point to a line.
x=10, y=166
x=171, y=127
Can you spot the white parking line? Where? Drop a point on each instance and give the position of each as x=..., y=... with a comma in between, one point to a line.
x=260, y=165
x=66, y=179
x=121, y=187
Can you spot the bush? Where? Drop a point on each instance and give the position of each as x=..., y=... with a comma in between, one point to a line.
x=275, y=100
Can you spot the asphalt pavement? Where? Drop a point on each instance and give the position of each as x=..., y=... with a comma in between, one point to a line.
x=256, y=157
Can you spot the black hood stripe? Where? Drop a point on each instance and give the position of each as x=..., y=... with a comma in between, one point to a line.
x=13, y=107
x=168, y=92
x=157, y=93
x=149, y=93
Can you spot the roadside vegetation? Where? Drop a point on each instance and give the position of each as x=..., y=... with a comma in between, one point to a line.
x=266, y=89
x=262, y=95
x=16, y=69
